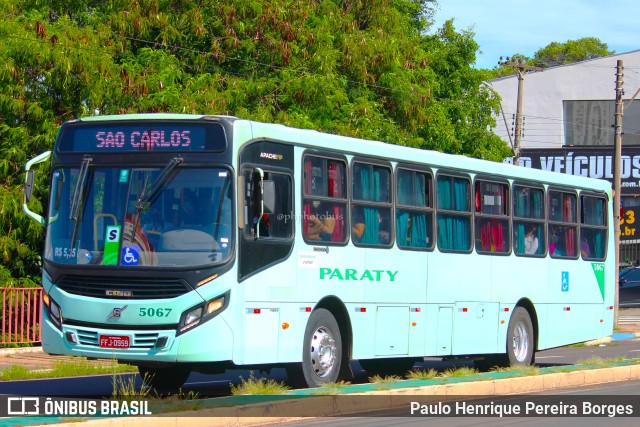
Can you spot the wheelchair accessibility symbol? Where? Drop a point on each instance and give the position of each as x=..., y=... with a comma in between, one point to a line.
x=565, y=281
x=130, y=255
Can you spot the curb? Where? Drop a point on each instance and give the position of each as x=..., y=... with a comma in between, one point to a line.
x=294, y=408
x=20, y=350
x=617, y=336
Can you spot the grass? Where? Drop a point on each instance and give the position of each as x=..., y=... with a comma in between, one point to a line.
x=258, y=386
x=331, y=389
x=597, y=361
x=388, y=379
x=71, y=367
x=383, y=383
x=125, y=388
x=463, y=371
x=418, y=374
x=525, y=371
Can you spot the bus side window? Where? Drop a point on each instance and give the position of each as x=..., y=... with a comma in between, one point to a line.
x=414, y=211
x=454, y=213
x=563, y=224
x=593, y=227
x=278, y=222
x=492, y=220
x=324, y=199
x=529, y=231
x=371, y=208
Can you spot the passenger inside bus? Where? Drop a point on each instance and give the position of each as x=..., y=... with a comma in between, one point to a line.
x=531, y=241
x=321, y=223
x=370, y=226
x=584, y=248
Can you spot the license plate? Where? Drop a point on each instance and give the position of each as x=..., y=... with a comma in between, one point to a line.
x=114, y=341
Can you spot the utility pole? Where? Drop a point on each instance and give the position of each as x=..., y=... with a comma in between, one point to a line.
x=617, y=160
x=522, y=69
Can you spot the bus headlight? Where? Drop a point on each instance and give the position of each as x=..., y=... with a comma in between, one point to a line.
x=201, y=313
x=53, y=310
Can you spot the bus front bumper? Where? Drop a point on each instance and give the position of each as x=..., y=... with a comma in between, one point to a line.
x=210, y=342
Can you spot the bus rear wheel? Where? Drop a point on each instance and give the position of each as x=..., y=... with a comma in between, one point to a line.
x=164, y=379
x=520, y=338
x=321, y=352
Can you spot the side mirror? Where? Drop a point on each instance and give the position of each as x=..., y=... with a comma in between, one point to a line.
x=28, y=186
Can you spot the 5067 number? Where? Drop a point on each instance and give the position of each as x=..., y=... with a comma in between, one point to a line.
x=154, y=312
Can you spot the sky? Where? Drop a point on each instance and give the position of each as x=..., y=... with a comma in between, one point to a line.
x=506, y=27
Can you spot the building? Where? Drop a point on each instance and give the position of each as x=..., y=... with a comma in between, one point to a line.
x=567, y=127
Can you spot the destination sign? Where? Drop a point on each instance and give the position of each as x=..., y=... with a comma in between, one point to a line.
x=153, y=136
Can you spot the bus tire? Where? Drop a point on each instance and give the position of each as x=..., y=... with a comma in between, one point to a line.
x=321, y=352
x=164, y=379
x=520, y=338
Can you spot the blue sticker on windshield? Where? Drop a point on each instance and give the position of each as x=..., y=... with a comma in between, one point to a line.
x=130, y=255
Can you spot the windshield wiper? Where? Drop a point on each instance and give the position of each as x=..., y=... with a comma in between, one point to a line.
x=143, y=202
x=77, y=201
x=77, y=192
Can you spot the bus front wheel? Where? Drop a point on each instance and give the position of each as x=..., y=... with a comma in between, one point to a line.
x=520, y=338
x=321, y=352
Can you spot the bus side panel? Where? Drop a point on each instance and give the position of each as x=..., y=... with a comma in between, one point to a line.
x=398, y=290
x=264, y=295
x=475, y=327
x=578, y=302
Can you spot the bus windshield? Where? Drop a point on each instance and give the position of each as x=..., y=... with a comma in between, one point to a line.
x=140, y=217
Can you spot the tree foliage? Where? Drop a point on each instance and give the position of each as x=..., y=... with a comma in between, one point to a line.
x=555, y=54
x=361, y=68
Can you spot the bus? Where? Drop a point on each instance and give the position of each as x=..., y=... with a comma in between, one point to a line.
x=194, y=243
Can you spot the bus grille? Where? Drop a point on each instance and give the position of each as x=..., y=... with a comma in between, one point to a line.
x=140, y=340
x=129, y=288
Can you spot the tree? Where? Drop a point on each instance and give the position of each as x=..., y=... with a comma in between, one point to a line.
x=361, y=68
x=555, y=54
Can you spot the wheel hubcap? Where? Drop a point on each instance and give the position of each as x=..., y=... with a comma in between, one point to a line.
x=323, y=352
x=520, y=342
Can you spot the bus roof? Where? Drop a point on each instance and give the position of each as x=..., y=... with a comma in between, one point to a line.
x=362, y=147
x=382, y=150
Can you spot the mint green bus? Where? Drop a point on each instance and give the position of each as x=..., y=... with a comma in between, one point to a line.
x=181, y=243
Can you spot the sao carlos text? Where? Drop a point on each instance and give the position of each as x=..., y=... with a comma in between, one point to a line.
x=530, y=409
x=94, y=407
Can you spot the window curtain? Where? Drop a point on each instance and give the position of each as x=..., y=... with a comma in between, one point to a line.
x=335, y=181
x=338, y=229
x=598, y=240
x=419, y=230
x=371, y=226
x=492, y=236
x=521, y=202
x=364, y=189
x=307, y=176
x=403, y=227
x=375, y=195
x=570, y=232
x=453, y=231
x=404, y=188
x=411, y=228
